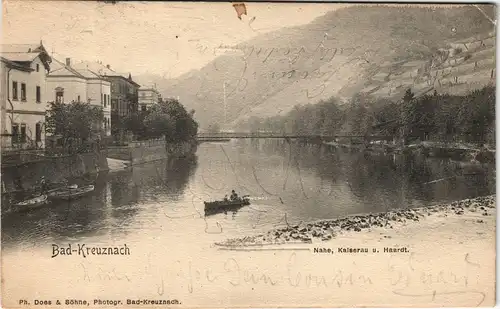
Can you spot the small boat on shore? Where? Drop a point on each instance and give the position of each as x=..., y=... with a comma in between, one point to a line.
x=34, y=202
x=218, y=206
x=56, y=191
x=71, y=192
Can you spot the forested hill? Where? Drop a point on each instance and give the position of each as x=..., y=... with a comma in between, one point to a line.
x=380, y=50
x=468, y=118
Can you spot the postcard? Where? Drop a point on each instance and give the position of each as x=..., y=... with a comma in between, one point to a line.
x=247, y=154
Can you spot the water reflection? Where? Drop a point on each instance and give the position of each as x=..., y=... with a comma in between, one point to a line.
x=111, y=207
x=402, y=180
x=224, y=210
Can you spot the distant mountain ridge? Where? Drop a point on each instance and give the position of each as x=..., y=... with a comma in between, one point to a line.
x=380, y=50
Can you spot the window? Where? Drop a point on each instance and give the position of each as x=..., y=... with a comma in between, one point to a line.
x=143, y=107
x=38, y=94
x=23, y=133
x=104, y=101
x=59, y=96
x=38, y=131
x=23, y=92
x=15, y=133
x=105, y=124
x=37, y=67
x=14, y=90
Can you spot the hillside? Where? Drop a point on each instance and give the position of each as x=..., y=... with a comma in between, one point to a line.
x=374, y=49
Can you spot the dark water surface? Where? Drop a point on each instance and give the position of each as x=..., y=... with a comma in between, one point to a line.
x=288, y=182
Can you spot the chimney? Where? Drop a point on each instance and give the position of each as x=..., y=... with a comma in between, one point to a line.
x=68, y=61
x=107, y=66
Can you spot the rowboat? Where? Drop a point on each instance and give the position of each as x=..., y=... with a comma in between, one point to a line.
x=60, y=190
x=72, y=193
x=218, y=206
x=33, y=202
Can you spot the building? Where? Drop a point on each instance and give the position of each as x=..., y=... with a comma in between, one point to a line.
x=23, y=70
x=124, y=92
x=124, y=96
x=148, y=97
x=68, y=83
x=65, y=84
x=98, y=91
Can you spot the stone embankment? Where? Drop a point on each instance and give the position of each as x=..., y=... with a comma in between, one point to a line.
x=328, y=229
x=140, y=152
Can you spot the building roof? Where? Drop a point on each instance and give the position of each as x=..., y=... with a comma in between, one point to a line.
x=15, y=65
x=26, y=53
x=86, y=72
x=101, y=70
x=96, y=68
x=20, y=57
x=124, y=78
x=61, y=69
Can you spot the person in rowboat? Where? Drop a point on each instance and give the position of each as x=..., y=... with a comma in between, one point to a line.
x=234, y=196
x=43, y=185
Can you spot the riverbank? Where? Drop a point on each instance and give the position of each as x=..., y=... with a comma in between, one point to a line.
x=25, y=176
x=140, y=152
x=445, y=258
x=456, y=151
x=479, y=209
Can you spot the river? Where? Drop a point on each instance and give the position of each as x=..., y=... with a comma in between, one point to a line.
x=287, y=182
x=157, y=211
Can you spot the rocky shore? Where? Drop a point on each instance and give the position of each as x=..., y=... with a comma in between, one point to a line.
x=325, y=230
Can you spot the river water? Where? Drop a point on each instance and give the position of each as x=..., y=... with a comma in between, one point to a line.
x=287, y=183
x=157, y=211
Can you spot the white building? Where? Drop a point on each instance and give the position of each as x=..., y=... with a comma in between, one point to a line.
x=23, y=70
x=67, y=83
x=148, y=97
x=98, y=93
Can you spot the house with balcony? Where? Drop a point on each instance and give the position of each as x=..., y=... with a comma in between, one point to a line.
x=124, y=99
x=148, y=97
x=23, y=71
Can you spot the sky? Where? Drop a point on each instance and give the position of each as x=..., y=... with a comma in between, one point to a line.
x=166, y=39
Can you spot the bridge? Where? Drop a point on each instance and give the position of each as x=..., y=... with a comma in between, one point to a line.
x=222, y=136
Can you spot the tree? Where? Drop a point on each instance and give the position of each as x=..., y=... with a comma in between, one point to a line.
x=408, y=115
x=170, y=119
x=76, y=121
x=159, y=124
x=135, y=123
x=428, y=117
